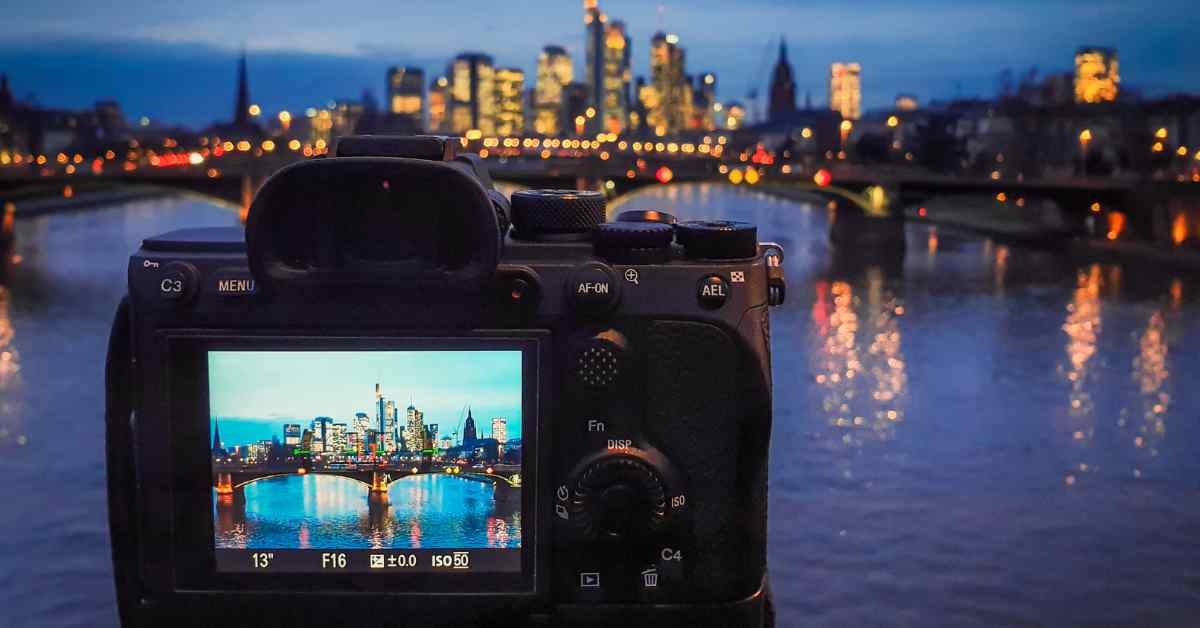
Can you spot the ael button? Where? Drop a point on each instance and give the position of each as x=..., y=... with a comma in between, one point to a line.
x=712, y=292
x=593, y=289
x=178, y=282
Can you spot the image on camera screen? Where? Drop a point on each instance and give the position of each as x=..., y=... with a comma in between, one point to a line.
x=389, y=457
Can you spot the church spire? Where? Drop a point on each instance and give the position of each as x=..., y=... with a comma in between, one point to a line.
x=241, y=112
x=216, y=444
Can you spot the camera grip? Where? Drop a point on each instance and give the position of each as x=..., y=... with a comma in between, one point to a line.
x=118, y=456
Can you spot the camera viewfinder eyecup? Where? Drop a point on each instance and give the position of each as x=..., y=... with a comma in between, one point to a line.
x=386, y=211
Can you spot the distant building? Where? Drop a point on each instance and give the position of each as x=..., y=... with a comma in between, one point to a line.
x=574, y=107
x=414, y=431
x=510, y=101
x=500, y=429
x=472, y=94
x=845, y=89
x=614, y=110
x=469, y=434
x=704, y=109
x=782, y=104
x=242, y=125
x=1097, y=76
x=291, y=434
x=405, y=100
x=439, y=105
x=218, y=448
x=555, y=72
x=669, y=101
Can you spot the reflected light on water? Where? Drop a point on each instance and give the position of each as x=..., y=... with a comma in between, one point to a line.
x=11, y=431
x=1082, y=328
x=863, y=386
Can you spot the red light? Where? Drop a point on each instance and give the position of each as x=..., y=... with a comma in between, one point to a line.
x=921, y=211
x=664, y=174
x=822, y=178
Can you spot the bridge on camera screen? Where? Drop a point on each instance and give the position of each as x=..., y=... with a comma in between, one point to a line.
x=228, y=479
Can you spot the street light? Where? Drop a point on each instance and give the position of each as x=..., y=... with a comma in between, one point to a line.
x=845, y=127
x=1085, y=138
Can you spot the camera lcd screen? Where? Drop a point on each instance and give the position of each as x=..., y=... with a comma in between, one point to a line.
x=382, y=462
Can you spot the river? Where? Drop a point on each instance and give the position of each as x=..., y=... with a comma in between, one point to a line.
x=977, y=434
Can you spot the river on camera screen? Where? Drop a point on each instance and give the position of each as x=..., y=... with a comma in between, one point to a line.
x=317, y=512
x=975, y=434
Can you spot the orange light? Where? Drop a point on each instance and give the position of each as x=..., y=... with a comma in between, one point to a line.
x=1179, y=229
x=664, y=174
x=1096, y=206
x=822, y=178
x=68, y=191
x=1116, y=224
x=1002, y=197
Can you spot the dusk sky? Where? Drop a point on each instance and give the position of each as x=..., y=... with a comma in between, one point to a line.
x=264, y=390
x=175, y=61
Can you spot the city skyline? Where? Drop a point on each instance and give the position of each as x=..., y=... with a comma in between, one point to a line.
x=304, y=385
x=72, y=62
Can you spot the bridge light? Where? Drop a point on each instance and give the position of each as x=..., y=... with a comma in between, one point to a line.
x=822, y=178
x=1161, y=133
x=735, y=176
x=243, y=146
x=1182, y=151
x=301, y=471
x=752, y=176
x=893, y=121
x=268, y=145
x=227, y=146
x=1157, y=148
x=195, y=158
x=490, y=470
x=213, y=173
x=664, y=174
x=294, y=145
x=723, y=169
x=415, y=470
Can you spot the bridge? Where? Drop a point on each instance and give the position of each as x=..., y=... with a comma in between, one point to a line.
x=233, y=173
x=504, y=478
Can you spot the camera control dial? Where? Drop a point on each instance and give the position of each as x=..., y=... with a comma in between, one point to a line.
x=617, y=497
x=539, y=214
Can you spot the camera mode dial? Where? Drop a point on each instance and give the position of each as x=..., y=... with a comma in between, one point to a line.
x=554, y=214
x=717, y=239
x=619, y=497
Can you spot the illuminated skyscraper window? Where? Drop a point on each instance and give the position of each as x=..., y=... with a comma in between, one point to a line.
x=845, y=89
x=1097, y=76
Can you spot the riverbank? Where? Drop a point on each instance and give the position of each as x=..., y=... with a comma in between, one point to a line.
x=42, y=199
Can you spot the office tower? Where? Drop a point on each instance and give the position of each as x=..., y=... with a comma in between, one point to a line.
x=362, y=422
x=291, y=434
x=907, y=102
x=439, y=103
x=354, y=443
x=1097, y=77
x=500, y=429
x=337, y=441
x=704, y=110
x=469, y=436
x=406, y=98
x=554, y=74
x=510, y=101
x=414, y=431
x=574, y=106
x=613, y=111
x=593, y=20
x=380, y=408
x=845, y=90
x=346, y=115
x=670, y=101
x=472, y=94
x=322, y=429
x=782, y=105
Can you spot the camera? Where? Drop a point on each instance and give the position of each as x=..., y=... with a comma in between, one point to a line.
x=400, y=398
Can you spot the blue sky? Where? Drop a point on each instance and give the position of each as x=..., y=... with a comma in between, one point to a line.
x=174, y=61
x=264, y=390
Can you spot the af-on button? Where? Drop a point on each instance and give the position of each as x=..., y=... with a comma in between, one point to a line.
x=593, y=289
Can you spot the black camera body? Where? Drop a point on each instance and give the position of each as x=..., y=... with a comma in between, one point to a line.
x=632, y=491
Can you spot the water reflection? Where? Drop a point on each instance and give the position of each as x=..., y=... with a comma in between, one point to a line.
x=11, y=418
x=857, y=358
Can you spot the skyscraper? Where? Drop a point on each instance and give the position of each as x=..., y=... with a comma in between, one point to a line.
x=554, y=73
x=510, y=101
x=704, y=110
x=783, y=88
x=472, y=94
x=414, y=431
x=593, y=20
x=500, y=429
x=614, y=109
x=1097, y=76
x=845, y=90
x=469, y=436
x=670, y=101
x=406, y=98
x=439, y=103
